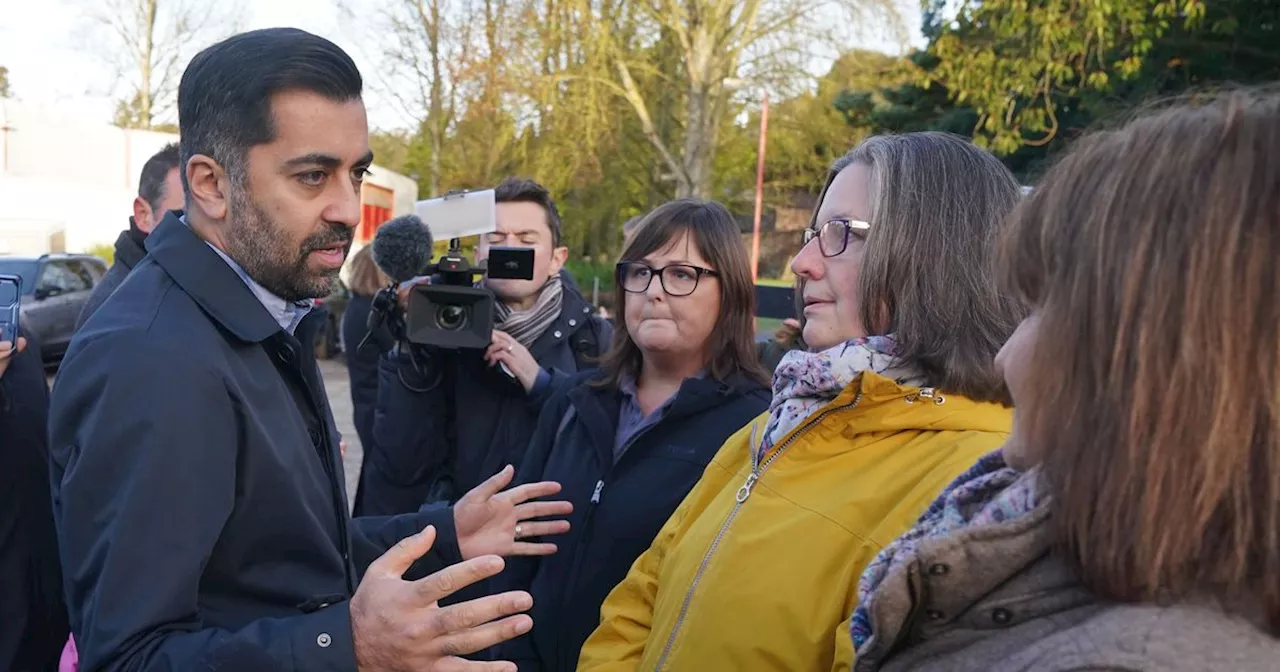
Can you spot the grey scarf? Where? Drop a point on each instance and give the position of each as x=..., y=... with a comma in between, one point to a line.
x=527, y=325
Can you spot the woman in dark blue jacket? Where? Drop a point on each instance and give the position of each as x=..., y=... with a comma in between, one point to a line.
x=362, y=364
x=628, y=442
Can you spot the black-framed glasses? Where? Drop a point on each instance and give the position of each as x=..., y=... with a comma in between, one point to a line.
x=833, y=236
x=676, y=279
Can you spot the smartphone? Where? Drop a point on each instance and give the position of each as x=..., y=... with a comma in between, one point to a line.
x=10, y=291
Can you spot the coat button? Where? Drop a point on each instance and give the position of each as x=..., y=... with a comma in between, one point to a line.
x=573, y=323
x=586, y=310
x=315, y=436
x=558, y=334
x=1001, y=616
x=285, y=354
x=324, y=640
x=935, y=615
x=938, y=569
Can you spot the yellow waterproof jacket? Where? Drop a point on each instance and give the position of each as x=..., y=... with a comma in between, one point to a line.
x=758, y=568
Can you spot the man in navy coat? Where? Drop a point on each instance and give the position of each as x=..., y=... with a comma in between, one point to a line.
x=198, y=492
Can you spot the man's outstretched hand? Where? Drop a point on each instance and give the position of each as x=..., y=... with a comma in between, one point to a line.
x=399, y=626
x=490, y=521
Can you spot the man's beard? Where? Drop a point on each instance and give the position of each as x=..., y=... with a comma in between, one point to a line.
x=263, y=249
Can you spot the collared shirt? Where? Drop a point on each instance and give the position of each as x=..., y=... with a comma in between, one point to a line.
x=631, y=418
x=288, y=314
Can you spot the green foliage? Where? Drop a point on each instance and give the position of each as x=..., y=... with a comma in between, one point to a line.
x=103, y=251
x=586, y=272
x=1025, y=78
x=391, y=150
x=5, y=91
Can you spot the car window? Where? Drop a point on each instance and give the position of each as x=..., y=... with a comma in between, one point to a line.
x=58, y=278
x=25, y=269
x=85, y=271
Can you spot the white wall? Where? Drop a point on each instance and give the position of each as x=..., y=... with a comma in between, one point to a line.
x=66, y=171
x=405, y=189
x=69, y=172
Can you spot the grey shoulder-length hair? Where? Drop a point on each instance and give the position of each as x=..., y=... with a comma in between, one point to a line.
x=937, y=206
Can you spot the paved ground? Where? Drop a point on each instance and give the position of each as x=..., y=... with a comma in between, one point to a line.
x=338, y=385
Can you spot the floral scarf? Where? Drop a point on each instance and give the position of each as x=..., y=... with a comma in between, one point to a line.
x=806, y=381
x=989, y=493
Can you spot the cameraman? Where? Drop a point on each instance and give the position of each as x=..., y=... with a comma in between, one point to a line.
x=447, y=420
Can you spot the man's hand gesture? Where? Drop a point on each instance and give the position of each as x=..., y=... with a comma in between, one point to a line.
x=399, y=626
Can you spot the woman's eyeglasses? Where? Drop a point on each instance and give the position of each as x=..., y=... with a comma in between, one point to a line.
x=833, y=237
x=676, y=279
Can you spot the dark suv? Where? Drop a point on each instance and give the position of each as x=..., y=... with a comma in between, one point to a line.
x=55, y=288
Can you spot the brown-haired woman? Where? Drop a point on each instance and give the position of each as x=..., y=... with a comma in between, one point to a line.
x=1136, y=524
x=627, y=442
x=362, y=365
x=897, y=397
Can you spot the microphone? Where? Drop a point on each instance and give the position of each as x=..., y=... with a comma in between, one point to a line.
x=402, y=248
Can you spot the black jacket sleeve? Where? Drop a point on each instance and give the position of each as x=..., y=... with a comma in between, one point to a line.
x=412, y=435
x=144, y=443
x=520, y=571
x=374, y=535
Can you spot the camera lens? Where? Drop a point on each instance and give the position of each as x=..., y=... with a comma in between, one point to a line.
x=451, y=318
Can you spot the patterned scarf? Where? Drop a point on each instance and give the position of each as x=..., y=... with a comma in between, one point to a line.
x=806, y=381
x=980, y=496
x=527, y=325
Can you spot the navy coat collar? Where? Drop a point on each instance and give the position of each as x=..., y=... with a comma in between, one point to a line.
x=208, y=280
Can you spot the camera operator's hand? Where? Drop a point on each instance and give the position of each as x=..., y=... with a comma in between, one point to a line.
x=7, y=351
x=491, y=522
x=506, y=350
x=398, y=625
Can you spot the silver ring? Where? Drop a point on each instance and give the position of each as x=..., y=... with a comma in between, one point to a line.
x=509, y=348
x=518, y=530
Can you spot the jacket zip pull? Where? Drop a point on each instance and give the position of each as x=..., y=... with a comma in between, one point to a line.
x=595, y=496
x=745, y=491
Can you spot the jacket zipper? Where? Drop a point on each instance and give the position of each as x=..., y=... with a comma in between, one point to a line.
x=744, y=492
x=580, y=552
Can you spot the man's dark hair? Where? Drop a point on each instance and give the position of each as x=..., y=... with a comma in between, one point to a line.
x=154, y=172
x=224, y=98
x=517, y=190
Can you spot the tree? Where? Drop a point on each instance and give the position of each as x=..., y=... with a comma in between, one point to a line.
x=149, y=42
x=5, y=92
x=417, y=55
x=722, y=46
x=1019, y=64
x=972, y=67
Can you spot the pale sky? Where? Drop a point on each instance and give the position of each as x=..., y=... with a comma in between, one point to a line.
x=47, y=47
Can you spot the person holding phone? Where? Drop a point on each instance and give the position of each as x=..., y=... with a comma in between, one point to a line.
x=32, y=611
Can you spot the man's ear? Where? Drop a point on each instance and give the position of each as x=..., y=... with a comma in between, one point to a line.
x=558, y=256
x=208, y=187
x=142, y=214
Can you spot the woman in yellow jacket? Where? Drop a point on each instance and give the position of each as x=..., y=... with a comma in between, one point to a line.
x=897, y=397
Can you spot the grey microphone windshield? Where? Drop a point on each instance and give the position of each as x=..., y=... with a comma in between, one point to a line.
x=402, y=248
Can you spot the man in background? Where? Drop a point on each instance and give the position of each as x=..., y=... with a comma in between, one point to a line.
x=159, y=191
x=448, y=420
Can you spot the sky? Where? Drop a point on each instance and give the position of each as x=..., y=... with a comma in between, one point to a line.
x=49, y=48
